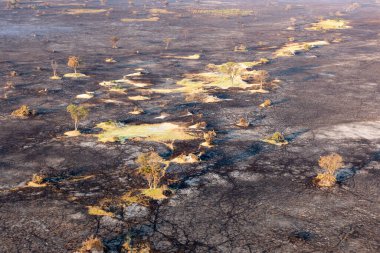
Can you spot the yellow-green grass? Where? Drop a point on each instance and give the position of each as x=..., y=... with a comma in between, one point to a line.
x=296, y=47
x=161, y=132
x=329, y=24
x=97, y=211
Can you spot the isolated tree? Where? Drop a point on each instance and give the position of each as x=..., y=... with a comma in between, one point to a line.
x=232, y=69
x=73, y=63
x=11, y=4
x=153, y=168
x=330, y=163
x=54, y=66
x=167, y=42
x=262, y=76
x=77, y=113
x=114, y=41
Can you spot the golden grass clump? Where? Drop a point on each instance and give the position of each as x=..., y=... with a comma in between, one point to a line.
x=97, y=211
x=330, y=163
x=266, y=103
x=84, y=11
x=22, y=112
x=151, y=19
x=293, y=48
x=329, y=24
x=92, y=245
x=160, y=132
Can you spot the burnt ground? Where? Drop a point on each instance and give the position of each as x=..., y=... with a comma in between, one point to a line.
x=245, y=196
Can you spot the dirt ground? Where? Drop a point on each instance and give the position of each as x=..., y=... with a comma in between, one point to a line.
x=245, y=195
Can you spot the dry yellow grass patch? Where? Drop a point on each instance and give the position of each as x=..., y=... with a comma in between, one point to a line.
x=156, y=194
x=161, y=132
x=190, y=57
x=151, y=19
x=138, y=98
x=85, y=95
x=329, y=24
x=84, y=11
x=160, y=11
x=73, y=133
x=293, y=48
x=224, y=12
x=75, y=75
x=97, y=211
x=35, y=185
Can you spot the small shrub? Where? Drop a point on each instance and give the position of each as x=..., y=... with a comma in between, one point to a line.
x=38, y=179
x=243, y=122
x=278, y=137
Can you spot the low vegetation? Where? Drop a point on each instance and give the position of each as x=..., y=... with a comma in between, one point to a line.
x=23, y=112
x=276, y=139
x=329, y=24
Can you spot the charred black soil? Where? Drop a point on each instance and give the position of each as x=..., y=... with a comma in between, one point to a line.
x=244, y=195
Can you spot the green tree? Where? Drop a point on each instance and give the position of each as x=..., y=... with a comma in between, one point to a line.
x=153, y=168
x=77, y=113
x=232, y=69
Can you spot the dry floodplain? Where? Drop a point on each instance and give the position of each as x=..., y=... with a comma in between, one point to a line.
x=189, y=126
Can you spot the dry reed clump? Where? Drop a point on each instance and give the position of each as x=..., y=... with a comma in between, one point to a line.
x=92, y=245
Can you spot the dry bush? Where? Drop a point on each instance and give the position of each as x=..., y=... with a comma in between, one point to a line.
x=114, y=41
x=92, y=245
x=243, y=122
x=330, y=163
x=209, y=137
x=73, y=62
x=13, y=73
x=22, y=112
